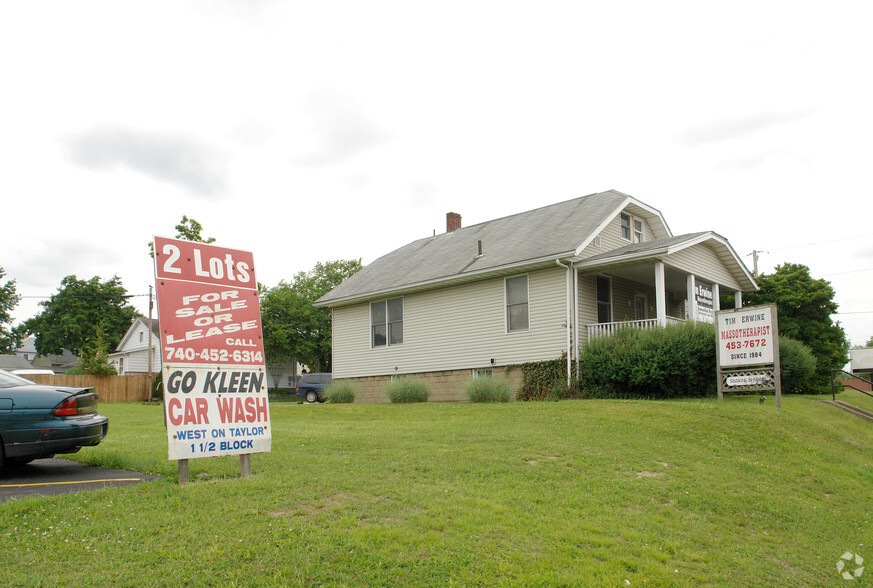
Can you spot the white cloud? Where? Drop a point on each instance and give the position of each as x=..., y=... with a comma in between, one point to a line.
x=169, y=157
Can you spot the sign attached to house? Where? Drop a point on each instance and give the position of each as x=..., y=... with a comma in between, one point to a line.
x=705, y=306
x=747, y=352
x=215, y=385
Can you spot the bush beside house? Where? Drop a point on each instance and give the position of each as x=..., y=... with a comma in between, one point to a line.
x=674, y=362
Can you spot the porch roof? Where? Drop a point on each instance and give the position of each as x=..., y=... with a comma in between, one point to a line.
x=660, y=249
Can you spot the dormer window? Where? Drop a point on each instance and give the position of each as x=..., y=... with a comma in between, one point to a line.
x=625, y=226
x=631, y=228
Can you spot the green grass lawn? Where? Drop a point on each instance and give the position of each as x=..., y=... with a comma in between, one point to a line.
x=612, y=493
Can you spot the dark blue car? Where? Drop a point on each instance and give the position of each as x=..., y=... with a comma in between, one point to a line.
x=38, y=421
x=311, y=386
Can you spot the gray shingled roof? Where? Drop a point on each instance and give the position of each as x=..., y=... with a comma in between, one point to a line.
x=14, y=362
x=644, y=247
x=549, y=232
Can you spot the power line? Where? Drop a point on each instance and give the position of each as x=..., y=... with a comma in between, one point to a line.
x=819, y=243
x=866, y=269
x=85, y=296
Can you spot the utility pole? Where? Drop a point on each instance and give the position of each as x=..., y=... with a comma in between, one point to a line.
x=754, y=255
x=151, y=370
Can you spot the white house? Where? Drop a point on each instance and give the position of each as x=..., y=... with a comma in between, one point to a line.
x=132, y=354
x=528, y=287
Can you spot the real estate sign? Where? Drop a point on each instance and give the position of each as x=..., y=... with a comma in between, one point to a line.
x=215, y=386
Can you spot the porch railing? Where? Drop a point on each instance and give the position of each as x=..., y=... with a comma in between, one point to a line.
x=600, y=329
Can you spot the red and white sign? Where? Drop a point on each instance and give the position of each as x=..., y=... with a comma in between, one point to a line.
x=215, y=387
x=746, y=336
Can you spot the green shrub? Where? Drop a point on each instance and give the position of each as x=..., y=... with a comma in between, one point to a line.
x=671, y=362
x=341, y=391
x=797, y=366
x=675, y=361
x=486, y=389
x=546, y=380
x=406, y=389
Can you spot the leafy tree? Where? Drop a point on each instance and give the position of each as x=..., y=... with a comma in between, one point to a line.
x=869, y=342
x=9, y=298
x=94, y=359
x=188, y=229
x=72, y=317
x=292, y=326
x=805, y=306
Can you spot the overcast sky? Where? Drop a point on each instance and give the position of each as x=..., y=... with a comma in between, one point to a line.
x=314, y=131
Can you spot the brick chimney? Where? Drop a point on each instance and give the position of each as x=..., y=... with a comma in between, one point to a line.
x=453, y=221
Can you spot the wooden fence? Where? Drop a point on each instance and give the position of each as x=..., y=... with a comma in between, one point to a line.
x=109, y=388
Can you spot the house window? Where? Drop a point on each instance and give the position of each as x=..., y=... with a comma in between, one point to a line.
x=141, y=336
x=625, y=226
x=631, y=228
x=604, y=300
x=483, y=373
x=386, y=322
x=517, y=318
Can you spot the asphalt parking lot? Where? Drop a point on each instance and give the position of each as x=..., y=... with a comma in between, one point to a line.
x=43, y=477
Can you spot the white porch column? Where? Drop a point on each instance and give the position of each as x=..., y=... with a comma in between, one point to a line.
x=660, y=293
x=691, y=301
x=716, y=302
x=738, y=299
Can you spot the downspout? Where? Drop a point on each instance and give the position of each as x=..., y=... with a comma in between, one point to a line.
x=569, y=325
x=576, y=350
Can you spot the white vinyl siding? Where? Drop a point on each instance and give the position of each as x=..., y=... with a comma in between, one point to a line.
x=703, y=262
x=135, y=353
x=459, y=327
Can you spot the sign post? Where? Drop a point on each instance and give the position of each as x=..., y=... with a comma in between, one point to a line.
x=747, y=350
x=215, y=387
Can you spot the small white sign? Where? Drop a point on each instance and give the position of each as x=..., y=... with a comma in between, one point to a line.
x=756, y=380
x=705, y=306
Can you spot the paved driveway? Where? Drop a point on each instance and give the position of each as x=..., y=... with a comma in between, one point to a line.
x=60, y=476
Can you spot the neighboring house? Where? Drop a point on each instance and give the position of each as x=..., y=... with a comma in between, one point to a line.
x=528, y=287
x=58, y=363
x=132, y=353
x=284, y=375
x=14, y=362
x=27, y=350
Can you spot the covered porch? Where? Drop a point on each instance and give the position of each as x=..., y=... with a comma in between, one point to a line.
x=654, y=284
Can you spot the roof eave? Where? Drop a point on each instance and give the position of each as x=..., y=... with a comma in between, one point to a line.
x=444, y=281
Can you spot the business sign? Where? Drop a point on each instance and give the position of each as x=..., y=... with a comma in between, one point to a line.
x=705, y=306
x=745, y=336
x=215, y=386
x=747, y=350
